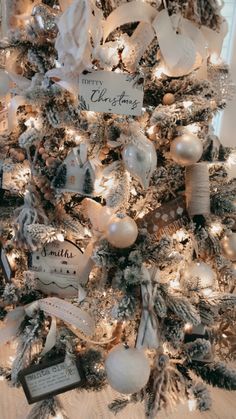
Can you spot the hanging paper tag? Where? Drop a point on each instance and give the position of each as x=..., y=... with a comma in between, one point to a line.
x=104, y=91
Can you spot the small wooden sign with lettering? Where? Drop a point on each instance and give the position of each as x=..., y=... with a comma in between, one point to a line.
x=110, y=92
x=56, y=268
x=45, y=380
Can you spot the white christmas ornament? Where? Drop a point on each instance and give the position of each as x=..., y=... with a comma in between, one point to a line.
x=127, y=369
x=229, y=246
x=186, y=149
x=4, y=83
x=202, y=273
x=140, y=160
x=121, y=231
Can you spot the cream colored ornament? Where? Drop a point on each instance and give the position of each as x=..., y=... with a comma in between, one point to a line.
x=186, y=149
x=4, y=83
x=140, y=160
x=229, y=246
x=127, y=369
x=121, y=231
x=200, y=272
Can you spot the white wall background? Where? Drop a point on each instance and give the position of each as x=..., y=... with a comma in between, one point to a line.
x=226, y=122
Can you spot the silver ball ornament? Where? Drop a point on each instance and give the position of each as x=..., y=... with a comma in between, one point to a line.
x=229, y=246
x=44, y=20
x=121, y=231
x=186, y=149
x=127, y=369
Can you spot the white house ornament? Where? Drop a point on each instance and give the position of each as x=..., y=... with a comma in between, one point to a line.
x=140, y=160
x=127, y=369
x=57, y=269
x=121, y=231
x=228, y=244
x=199, y=273
x=186, y=149
x=78, y=175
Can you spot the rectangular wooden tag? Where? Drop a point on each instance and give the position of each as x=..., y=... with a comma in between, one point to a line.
x=48, y=379
x=110, y=92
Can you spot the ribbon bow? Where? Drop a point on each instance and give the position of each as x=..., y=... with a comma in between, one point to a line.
x=148, y=328
x=54, y=307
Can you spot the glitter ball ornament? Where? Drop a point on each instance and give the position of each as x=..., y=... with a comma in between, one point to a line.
x=229, y=246
x=44, y=20
x=186, y=149
x=127, y=369
x=168, y=99
x=121, y=231
x=201, y=274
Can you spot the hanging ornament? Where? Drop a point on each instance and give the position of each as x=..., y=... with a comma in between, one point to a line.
x=140, y=160
x=44, y=21
x=121, y=231
x=229, y=246
x=186, y=149
x=4, y=83
x=201, y=274
x=78, y=173
x=127, y=369
x=197, y=189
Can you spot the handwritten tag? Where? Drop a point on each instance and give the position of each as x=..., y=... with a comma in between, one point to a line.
x=105, y=91
x=42, y=381
x=56, y=268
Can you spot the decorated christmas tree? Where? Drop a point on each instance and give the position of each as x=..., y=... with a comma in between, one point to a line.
x=118, y=236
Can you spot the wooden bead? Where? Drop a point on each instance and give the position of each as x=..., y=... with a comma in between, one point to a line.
x=168, y=99
x=41, y=150
x=50, y=161
x=45, y=156
x=20, y=156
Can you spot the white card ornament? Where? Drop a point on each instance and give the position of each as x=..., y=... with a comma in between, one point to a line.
x=57, y=269
x=110, y=92
x=80, y=175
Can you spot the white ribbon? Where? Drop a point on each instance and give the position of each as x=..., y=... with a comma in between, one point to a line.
x=54, y=307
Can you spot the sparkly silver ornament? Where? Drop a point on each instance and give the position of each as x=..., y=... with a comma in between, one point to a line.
x=186, y=149
x=140, y=160
x=44, y=20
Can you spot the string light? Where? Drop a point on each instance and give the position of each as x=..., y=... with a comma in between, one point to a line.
x=216, y=228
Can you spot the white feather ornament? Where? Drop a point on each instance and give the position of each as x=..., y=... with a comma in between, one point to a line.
x=140, y=160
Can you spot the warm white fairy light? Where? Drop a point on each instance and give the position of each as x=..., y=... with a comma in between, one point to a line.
x=187, y=104
x=216, y=228
x=215, y=59
x=158, y=72
x=193, y=128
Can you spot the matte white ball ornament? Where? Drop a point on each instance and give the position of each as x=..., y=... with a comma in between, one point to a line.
x=229, y=246
x=4, y=83
x=121, y=231
x=186, y=149
x=127, y=369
